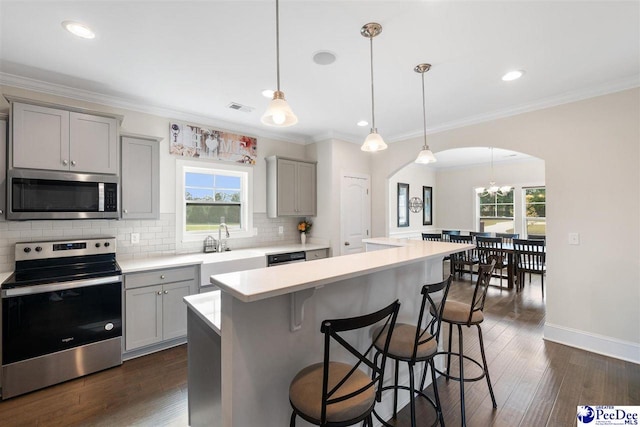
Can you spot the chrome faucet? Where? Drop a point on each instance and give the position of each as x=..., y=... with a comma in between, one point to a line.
x=226, y=229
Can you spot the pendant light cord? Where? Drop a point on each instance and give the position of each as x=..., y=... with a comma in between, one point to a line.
x=424, y=113
x=278, y=44
x=373, y=116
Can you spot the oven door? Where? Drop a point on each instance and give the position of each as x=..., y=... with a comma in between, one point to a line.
x=43, y=319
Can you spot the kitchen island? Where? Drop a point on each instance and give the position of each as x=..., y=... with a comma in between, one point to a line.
x=270, y=320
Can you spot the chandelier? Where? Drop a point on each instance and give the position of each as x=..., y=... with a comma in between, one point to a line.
x=493, y=189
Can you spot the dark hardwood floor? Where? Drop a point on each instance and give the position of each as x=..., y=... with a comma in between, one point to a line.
x=537, y=383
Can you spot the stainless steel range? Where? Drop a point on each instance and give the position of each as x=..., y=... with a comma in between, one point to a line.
x=61, y=313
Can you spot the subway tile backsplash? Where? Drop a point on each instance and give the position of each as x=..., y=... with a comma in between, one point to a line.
x=157, y=237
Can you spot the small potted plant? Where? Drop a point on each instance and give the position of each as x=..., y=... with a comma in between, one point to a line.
x=303, y=228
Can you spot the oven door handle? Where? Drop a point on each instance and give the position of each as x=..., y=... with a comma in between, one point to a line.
x=62, y=286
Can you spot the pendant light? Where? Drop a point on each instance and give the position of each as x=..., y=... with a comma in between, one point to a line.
x=278, y=112
x=425, y=156
x=493, y=189
x=374, y=141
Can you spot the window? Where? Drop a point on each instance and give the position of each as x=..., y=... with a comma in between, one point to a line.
x=207, y=194
x=535, y=210
x=496, y=212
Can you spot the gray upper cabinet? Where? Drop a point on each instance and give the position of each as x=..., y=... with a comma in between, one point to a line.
x=140, y=177
x=291, y=187
x=3, y=166
x=57, y=139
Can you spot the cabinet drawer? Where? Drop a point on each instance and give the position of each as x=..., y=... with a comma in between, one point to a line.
x=317, y=254
x=157, y=277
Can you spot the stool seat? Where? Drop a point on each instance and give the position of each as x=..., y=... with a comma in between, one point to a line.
x=305, y=392
x=403, y=342
x=458, y=312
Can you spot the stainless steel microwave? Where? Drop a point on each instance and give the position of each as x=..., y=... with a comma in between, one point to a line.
x=35, y=194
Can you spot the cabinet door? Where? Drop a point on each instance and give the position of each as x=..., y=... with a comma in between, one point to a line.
x=93, y=144
x=306, y=189
x=143, y=311
x=174, y=308
x=140, y=178
x=3, y=168
x=40, y=137
x=286, y=192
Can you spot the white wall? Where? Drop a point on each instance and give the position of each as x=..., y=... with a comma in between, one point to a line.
x=591, y=150
x=455, y=198
x=416, y=176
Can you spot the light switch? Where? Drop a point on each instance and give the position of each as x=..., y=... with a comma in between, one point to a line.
x=135, y=238
x=574, y=238
x=281, y=230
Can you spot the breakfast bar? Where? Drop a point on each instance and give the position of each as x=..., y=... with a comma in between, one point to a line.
x=269, y=324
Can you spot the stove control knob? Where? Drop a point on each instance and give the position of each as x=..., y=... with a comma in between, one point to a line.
x=38, y=249
x=97, y=245
x=27, y=250
x=107, y=244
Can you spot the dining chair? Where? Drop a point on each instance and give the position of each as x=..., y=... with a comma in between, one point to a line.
x=336, y=394
x=468, y=258
x=475, y=234
x=508, y=237
x=433, y=237
x=492, y=247
x=447, y=233
x=416, y=344
x=529, y=257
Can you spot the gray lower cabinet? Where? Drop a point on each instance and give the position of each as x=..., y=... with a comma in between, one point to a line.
x=57, y=139
x=291, y=187
x=154, y=307
x=140, y=177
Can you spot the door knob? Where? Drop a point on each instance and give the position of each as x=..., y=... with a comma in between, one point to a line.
x=347, y=243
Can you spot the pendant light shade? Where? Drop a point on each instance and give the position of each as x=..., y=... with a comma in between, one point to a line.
x=278, y=112
x=373, y=142
x=425, y=156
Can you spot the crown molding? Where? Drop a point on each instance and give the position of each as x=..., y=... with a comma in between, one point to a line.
x=335, y=135
x=127, y=104
x=565, y=98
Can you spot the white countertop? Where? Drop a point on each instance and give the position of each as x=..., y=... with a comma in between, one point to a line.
x=207, y=307
x=262, y=283
x=152, y=263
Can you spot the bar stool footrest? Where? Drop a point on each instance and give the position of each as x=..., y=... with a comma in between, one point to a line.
x=451, y=377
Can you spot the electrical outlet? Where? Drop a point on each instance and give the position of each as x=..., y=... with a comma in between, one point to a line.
x=574, y=238
x=255, y=231
x=281, y=230
x=135, y=238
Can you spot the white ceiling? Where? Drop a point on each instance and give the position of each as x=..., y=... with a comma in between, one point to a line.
x=192, y=58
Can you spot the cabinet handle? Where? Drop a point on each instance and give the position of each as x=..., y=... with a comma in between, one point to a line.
x=65, y=162
x=1, y=211
x=159, y=292
x=73, y=162
x=347, y=243
x=126, y=211
x=166, y=292
x=162, y=276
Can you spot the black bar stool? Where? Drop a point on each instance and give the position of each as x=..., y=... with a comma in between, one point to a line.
x=459, y=314
x=413, y=344
x=337, y=394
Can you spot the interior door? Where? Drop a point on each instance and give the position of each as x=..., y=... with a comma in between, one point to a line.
x=355, y=212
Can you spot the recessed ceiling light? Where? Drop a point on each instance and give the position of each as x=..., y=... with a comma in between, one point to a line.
x=324, y=57
x=267, y=93
x=362, y=123
x=512, y=75
x=78, y=29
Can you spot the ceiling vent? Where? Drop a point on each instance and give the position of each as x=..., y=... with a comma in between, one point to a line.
x=240, y=107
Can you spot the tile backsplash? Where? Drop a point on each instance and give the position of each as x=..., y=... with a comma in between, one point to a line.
x=157, y=237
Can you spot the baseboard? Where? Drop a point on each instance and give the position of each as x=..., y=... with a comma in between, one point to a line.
x=607, y=346
x=132, y=354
